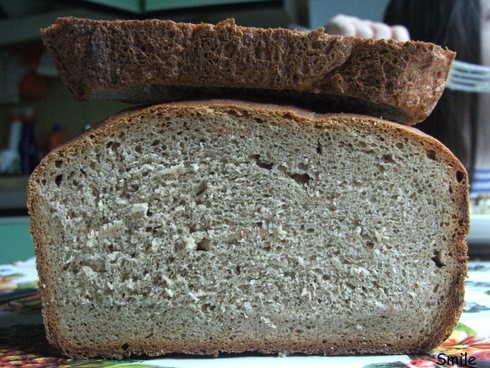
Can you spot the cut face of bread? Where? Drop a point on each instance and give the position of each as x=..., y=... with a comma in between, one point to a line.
x=156, y=60
x=223, y=226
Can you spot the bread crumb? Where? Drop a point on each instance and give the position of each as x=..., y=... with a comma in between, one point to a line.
x=190, y=243
x=280, y=233
x=268, y=322
x=89, y=273
x=172, y=170
x=139, y=209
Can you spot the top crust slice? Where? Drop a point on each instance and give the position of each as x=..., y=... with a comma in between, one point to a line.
x=157, y=60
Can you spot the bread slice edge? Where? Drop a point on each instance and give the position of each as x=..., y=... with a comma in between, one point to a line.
x=458, y=247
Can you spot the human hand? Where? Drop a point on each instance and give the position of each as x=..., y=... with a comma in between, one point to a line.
x=345, y=25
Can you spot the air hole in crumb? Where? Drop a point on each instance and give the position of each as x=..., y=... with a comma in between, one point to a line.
x=208, y=307
x=259, y=163
x=58, y=180
x=115, y=146
x=58, y=163
x=138, y=149
x=431, y=154
x=302, y=166
x=319, y=148
x=370, y=245
x=259, y=121
x=43, y=182
x=459, y=176
x=203, y=244
x=125, y=346
x=437, y=259
x=399, y=145
x=389, y=159
x=156, y=142
x=362, y=144
x=301, y=178
x=282, y=169
x=201, y=188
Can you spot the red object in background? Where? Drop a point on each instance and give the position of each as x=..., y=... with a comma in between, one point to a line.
x=56, y=138
x=31, y=84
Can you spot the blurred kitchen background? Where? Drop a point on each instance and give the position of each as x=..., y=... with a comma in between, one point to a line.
x=37, y=112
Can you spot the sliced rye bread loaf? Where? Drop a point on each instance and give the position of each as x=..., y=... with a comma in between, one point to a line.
x=225, y=226
x=155, y=60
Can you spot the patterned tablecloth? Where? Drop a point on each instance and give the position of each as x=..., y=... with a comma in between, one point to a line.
x=22, y=341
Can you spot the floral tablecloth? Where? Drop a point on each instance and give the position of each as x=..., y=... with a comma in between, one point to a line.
x=22, y=341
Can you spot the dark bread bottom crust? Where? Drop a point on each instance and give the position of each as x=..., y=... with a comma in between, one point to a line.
x=223, y=348
x=321, y=103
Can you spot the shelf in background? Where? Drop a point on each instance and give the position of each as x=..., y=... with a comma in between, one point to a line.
x=266, y=13
x=144, y=6
x=479, y=229
x=27, y=29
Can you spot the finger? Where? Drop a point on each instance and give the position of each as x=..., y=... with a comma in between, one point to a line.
x=381, y=31
x=341, y=25
x=363, y=28
x=400, y=33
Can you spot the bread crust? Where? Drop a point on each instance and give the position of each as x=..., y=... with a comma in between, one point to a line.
x=458, y=249
x=154, y=60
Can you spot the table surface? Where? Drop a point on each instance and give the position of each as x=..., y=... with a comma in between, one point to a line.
x=22, y=341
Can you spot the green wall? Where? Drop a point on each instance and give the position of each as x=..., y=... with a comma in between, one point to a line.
x=15, y=240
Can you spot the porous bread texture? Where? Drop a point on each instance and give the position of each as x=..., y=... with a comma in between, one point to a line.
x=223, y=226
x=151, y=60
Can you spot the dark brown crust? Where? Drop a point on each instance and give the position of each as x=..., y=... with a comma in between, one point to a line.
x=458, y=250
x=137, y=60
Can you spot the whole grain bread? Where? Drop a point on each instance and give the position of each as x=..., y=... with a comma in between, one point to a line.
x=224, y=226
x=155, y=60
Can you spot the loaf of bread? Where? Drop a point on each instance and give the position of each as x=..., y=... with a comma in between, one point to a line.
x=156, y=60
x=224, y=226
